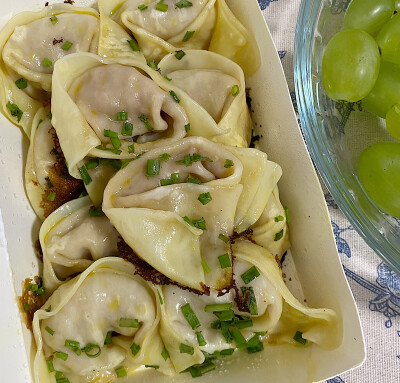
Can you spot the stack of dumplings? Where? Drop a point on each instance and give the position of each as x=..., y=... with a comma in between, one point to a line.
x=162, y=231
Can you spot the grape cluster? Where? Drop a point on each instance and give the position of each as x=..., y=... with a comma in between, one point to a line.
x=362, y=62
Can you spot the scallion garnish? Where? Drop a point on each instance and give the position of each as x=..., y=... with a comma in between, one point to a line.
x=188, y=36
x=127, y=129
x=142, y=7
x=131, y=148
x=88, y=350
x=254, y=349
x=146, y=123
x=165, y=157
x=49, y=330
x=223, y=238
x=183, y=4
x=227, y=351
x=129, y=322
x=165, y=353
x=52, y=196
x=278, y=218
x=225, y=261
x=50, y=365
x=175, y=178
x=14, y=110
x=251, y=299
x=153, y=65
x=47, y=62
x=153, y=168
x=278, y=235
x=62, y=380
x=95, y=211
x=75, y=346
x=161, y=6
x=122, y=116
x=166, y=181
x=92, y=164
x=225, y=316
x=61, y=355
x=225, y=331
x=287, y=214
x=218, y=307
x=199, y=223
x=135, y=348
x=201, y=369
x=180, y=54
x=250, y=274
x=241, y=324
x=298, y=337
x=113, y=136
x=54, y=19
x=205, y=198
x=160, y=297
x=66, y=46
x=190, y=316
x=238, y=338
x=174, y=96
x=115, y=151
x=200, y=338
x=48, y=309
x=27, y=306
x=228, y=164
x=107, y=340
x=187, y=128
x=21, y=83
x=235, y=90
x=85, y=175
x=167, y=78
x=156, y=367
x=121, y=372
x=58, y=374
x=192, y=180
x=134, y=45
x=185, y=349
x=195, y=157
x=188, y=220
x=205, y=266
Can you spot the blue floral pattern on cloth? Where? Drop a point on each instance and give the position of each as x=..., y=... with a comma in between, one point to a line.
x=335, y=380
x=265, y=3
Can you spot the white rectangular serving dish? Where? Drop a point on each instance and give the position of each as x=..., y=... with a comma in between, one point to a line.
x=313, y=250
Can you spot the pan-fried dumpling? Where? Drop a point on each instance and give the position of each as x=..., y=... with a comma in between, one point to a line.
x=30, y=44
x=72, y=238
x=162, y=27
x=216, y=84
x=101, y=321
x=176, y=206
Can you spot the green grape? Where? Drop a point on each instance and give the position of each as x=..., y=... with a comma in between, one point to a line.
x=388, y=40
x=386, y=91
x=368, y=15
x=350, y=65
x=393, y=121
x=379, y=174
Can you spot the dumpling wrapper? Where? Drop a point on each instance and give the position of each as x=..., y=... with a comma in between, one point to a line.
x=217, y=85
x=30, y=37
x=150, y=217
x=84, y=309
x=71, y=240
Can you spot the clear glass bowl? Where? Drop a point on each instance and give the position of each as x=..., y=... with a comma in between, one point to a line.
x=336, y=133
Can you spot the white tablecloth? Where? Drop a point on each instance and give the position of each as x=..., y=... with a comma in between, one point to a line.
x=375, y=286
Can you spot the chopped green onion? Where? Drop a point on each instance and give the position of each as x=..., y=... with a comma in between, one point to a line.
x=251, y=299
x=62, y=380
x=206, y=268
x=188, y=220
x=127, y=129
x=27, y=306
x=115, y=141
x=227, y=351
x=49, y=330
x=32, y=287
x=58, y=374
x=185, y=349
x=85, y=175
x=258, y=348
x=205, y=198
x=223, y=238
x=128, y=322
x=14, y=110
x=225, y=332
x=235, y=90
x=134, y=45
x=21, y=83
x=183, y=4
x=153, y=168
x=278, y=235
x=47, y=62
x=88, y=350
x=125, y=163
x=180, y=54
x=238, y=338
x=121, y=372
x=142, y=7
x=160, y=297
x=190, y=316
x=54, y=20
x=152, y=366
x=131, y=148
x=115, y=151
x=92, y=164
x=188, y=36
x=200, y=338
x=52, y=196
x=166, y=181
x=225, y=261
x=298, y=337
x=250, y=274
x=61, y=355
x=107, y=340
x=153, y=65
x=161, y=6
x=75, y=346
x=66, y=46
x=146, y=123
x=49, y=115
x=200, y=223
x=287, y=214
x=200, y=370
x=228, y=163
x=278, y=218
x=135, y=348
x=121, y=116
x=225, y=316
x=195, y=157
x=187, y=128
x=175, y=178
x=174, y=96
x=193, y=180
x=165, y=353
x=218, y=307
x=50, y=365
x=165, y=157
x=244, y=324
